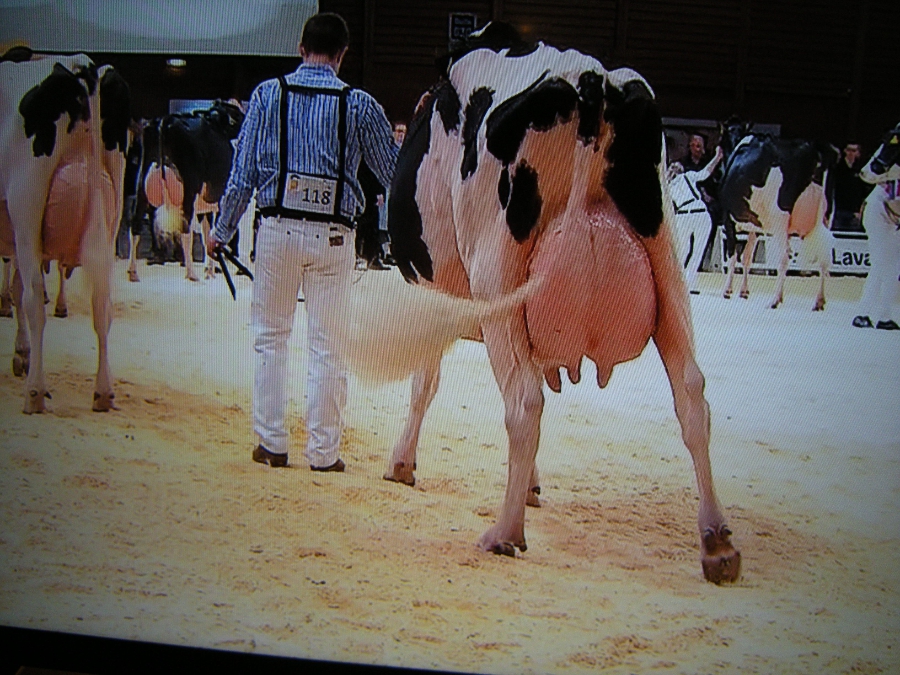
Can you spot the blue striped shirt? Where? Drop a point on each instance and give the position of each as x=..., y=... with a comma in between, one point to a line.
x=313, y=146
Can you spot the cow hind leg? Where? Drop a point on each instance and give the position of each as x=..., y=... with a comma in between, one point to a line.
x=132, y=259
x=21, y=356
x=98, y=255
x=523, y=398
x=780, y=245
x=747, y=261
x=674, y=340
x=187, y=247
x=403, y=459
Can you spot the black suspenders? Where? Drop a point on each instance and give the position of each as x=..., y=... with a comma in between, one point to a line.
x=315, y=198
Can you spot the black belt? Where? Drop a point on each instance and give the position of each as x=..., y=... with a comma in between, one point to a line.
x=274, y=212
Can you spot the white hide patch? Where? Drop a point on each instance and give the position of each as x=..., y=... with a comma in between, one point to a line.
x=395, y=331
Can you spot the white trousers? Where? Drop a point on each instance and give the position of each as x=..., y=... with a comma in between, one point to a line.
x=882, y=289
x=317, y=257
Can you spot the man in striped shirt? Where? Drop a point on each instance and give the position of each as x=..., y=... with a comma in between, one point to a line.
x=301, y=142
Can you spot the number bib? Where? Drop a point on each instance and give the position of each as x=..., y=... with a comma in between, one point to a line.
x=310, y=193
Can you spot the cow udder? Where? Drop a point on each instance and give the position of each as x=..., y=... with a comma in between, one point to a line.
x=67, y=213
x=598, y=298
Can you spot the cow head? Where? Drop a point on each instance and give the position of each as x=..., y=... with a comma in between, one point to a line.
x=225, y=118
x=888, y=153
x=731, y=133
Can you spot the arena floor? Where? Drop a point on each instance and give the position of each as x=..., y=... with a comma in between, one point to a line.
x=152, y=523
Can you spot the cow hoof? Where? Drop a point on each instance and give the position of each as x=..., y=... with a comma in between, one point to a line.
x=744, y=295
x=20, y=365
x=533, y=497
x=819, y=306
x=501, y=545
x=104, y=402
x=61, y=312
x=133, y=276
x=775, y=304
x=721, y=562
x=34, y=402
x=402, y=473
x=727, y=295
x=210, y=274
x=192, y=277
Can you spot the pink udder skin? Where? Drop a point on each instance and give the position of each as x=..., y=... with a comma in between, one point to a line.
x=67, y=214
x=598, y=298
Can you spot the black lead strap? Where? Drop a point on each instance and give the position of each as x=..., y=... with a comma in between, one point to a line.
x=279, y=209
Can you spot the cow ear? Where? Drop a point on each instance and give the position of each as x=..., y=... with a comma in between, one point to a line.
x=115, y=110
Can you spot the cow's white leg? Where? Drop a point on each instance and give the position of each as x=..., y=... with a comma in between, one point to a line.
x=132, y=259
x=22, y=354
x=520, y=383
x=187, y=247
x=403, y=460
x=779, y=242
x=495, y=270
x=97, y=259
x=61, y=309
x=729, y=276
x=25, y=214
x=819, y=304
x=747, y=261
x=675, y=341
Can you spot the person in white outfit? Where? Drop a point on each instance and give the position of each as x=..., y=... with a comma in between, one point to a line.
x=693, y=225
x=881, y=220
x=300, y=145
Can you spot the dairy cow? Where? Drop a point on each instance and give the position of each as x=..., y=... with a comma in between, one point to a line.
x=774, y=186
x=63, y=133
x=526, y=162
x=187, y=159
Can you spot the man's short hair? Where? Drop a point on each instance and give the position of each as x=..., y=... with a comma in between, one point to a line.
x=325, y=33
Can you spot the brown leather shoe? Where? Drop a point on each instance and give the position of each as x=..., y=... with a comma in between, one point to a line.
x=273, y=459
x=337, y=466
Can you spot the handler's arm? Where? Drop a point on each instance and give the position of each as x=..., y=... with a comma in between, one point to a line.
x=243, y=178
x=377, y=140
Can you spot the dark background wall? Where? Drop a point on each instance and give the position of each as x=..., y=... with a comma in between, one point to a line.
x=823, y=70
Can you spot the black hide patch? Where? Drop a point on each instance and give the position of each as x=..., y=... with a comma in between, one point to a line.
x=479, y=103
x=541, y=106
x=590, y=105
x=634, y=154
x=525, y=202
x=496, y=36
x=18, y=54
x=503, y=187
x=799, y=161
x=404, y=217
x=448, y=104
x=41, y=107
x=115, y=110
x=224, y=118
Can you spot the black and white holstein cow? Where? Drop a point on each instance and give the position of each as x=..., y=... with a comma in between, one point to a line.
x=530, y=162
x=774, y=186
x=63, y=134
x=187, y=159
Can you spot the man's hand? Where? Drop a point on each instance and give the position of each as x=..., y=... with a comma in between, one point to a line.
x=213, y=246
